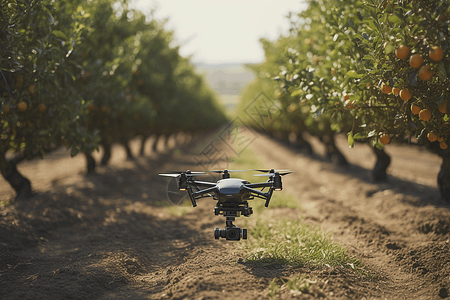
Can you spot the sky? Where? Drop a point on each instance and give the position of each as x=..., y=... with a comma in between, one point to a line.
x=228, y=31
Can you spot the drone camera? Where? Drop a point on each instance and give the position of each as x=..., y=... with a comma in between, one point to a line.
x=230, y=233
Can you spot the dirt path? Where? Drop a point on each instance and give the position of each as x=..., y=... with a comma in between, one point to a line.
x=400, y=228
x=114, y=234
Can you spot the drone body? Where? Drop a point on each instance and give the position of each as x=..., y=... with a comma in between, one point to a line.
x=232, y=195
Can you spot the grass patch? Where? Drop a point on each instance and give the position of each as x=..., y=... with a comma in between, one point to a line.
x=297, y=285
x=295, y=243
x=273, y=289
x=288, y=241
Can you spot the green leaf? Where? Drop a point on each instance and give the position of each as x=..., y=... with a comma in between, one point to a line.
x=395, y=19
x=441, y=71
x=296, y=93
x=371, y=24
x=389, y=48
x=358, y=136
x=354, y=74
x=60, y=34
x=350, y=140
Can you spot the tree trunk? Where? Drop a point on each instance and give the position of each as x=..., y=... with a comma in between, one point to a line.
x=106, y=153
x=383, y=161
x=166, y=142
x=444, y=176
x=20, y=184
x=302, y=144
x=155, y=143
x=128, y=150
x=144, y=140
x=90, y=163
x=332, y=152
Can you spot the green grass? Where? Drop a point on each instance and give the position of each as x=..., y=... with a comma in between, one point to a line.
x=297, y=285
x=297, y=244
x=287, y=241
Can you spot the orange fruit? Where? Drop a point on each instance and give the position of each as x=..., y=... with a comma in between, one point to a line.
x=402, y=51
x=7, y=108
x=436, y=53
x=22, y=106
x=443, y=107
x=385, y=139
x=405, y=94
x=425, y=72
x=443, y=145
x=90, y=106
x=431, y=137
x=415, y=109
x=41, y=107
x=425, y=114
x=386, y=88
x=415, y=61
x=396, y=90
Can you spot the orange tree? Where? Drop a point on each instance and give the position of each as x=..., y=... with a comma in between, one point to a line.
x=307, y=67
x=389, y=63
x=106, y=59
x=402, y=80
x=40, y=109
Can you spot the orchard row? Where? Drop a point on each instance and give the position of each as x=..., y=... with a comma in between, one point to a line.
x=376, y=70
x=79, y=73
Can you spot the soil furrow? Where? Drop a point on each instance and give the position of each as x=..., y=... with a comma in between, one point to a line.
x=403, y=237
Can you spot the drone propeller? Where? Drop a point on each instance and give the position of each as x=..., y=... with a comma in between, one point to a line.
x=225, y=171
x=273, y=174
x=269, y=170
x=188, y=173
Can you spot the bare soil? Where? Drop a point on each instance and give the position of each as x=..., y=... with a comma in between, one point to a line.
x=112, y=235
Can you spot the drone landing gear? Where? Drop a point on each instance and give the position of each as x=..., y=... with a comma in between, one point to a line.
x=231, y=211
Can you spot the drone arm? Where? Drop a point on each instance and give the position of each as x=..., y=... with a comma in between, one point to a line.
x=257, y=192
x=260, y=185
x=205, y=191
x=261, y=194
x=204, y=183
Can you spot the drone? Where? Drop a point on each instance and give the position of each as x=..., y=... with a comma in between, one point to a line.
x=232, y=195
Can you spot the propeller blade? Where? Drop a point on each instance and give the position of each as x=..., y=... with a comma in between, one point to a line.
x=229, y=171
x=273, y=174
x=169, y=175
x=179, y=174
x=269, y=170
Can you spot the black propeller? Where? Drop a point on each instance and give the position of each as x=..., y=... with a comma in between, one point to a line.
x=273, y=174
x=269, y=170
x=225, y=171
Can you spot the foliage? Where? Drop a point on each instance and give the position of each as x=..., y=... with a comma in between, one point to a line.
x=40, y=107
x=79, y=72
x=342, y=63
